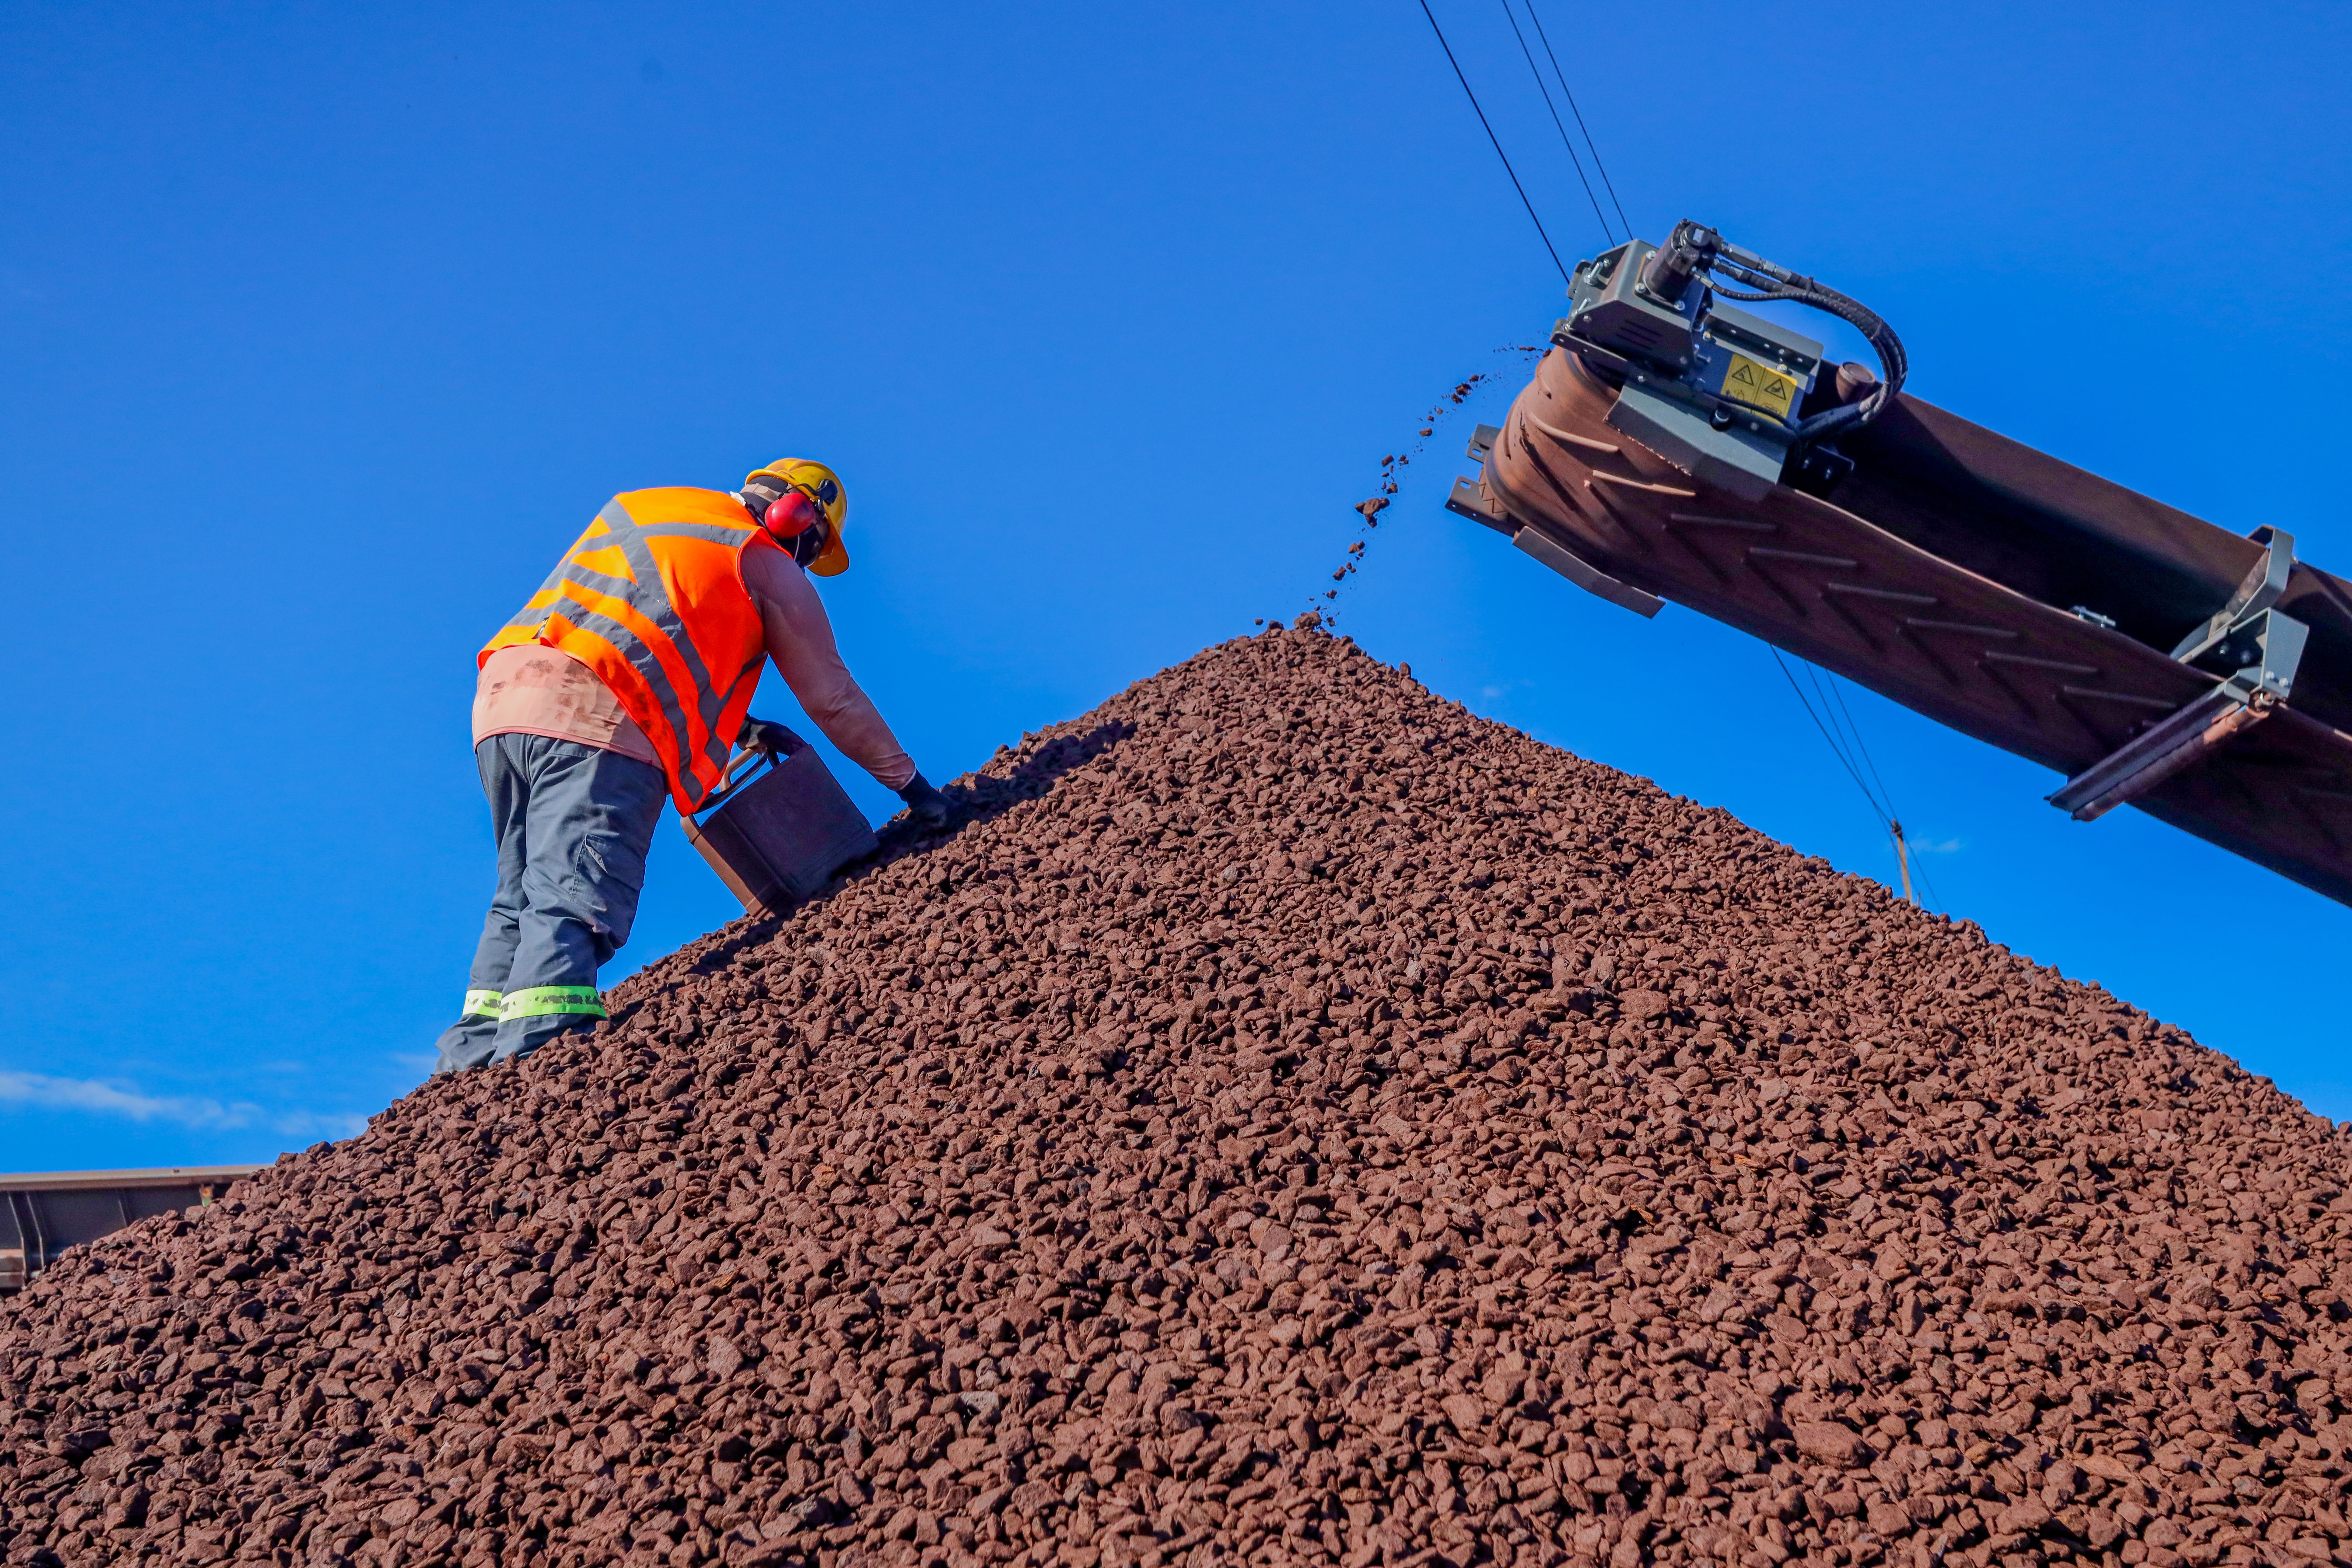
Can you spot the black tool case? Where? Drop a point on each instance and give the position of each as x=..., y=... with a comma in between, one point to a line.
x=778, y=835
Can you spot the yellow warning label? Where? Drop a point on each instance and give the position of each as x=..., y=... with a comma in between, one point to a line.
x=1759, y=385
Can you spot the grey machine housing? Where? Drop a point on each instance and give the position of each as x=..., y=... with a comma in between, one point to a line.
x=1713, y=389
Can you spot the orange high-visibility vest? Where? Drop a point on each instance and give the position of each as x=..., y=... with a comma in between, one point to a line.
x=652, y=599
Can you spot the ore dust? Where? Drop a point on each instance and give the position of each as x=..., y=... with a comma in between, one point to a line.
x=1286, y=1120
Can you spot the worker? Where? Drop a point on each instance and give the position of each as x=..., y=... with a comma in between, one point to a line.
x=627, y=677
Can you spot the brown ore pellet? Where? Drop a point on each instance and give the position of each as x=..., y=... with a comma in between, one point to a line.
x=1282, y=1119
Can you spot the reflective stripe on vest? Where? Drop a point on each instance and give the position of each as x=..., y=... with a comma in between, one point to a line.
x=665, y=624
x=481, y=1005
x=541, y=1001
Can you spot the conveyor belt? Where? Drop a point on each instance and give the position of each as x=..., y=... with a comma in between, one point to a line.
x=1946, y=575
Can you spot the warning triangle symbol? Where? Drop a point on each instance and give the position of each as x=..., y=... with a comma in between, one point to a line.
x=1777, y=390
x=1744, y=373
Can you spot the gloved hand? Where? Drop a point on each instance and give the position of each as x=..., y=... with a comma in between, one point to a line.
x=767, y=735
x=924, y=803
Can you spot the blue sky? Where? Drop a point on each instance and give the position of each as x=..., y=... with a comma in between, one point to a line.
x=326, y=327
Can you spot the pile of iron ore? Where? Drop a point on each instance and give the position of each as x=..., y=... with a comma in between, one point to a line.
x=1287, y=1120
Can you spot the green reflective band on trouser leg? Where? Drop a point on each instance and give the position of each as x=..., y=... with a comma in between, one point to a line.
x=539, y=1001
x=481, y=1005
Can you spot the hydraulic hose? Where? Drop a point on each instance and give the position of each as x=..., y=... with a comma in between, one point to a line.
x=1694, y=248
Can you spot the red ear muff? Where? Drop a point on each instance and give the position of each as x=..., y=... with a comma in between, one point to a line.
x=790, y=515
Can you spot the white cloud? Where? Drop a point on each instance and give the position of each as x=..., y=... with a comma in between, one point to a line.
x=1930, y=846
x=46, y=1093
x=41, y=1091
x=317, y=1124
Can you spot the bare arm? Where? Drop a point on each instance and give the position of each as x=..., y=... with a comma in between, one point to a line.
x=800, y=639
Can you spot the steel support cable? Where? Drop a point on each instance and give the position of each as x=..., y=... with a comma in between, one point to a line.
x=1848, y=738
x=1496, y=140
x=1590, y=145
x=1512, y=17
x=1835, y=750
x=1849, y=731
x=1935, y=899
x=1845, y=742
x=1837, y=687
x=1893, y=828
x=1850, y=743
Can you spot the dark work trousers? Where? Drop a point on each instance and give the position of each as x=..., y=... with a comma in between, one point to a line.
x=573, y=824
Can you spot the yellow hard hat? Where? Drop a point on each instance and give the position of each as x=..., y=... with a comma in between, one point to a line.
x=822, y=486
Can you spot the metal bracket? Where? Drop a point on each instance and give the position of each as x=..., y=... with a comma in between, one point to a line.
x=1468, y=500
x=2253, y=648
x=2263, y=586
x=2186, y=736
x=2259, y=656
x=1469, y=497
